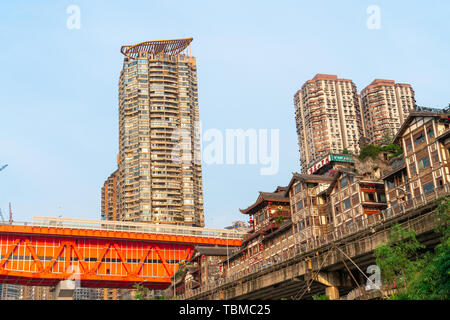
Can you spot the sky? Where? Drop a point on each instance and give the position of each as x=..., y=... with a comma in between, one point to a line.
x=59, y=84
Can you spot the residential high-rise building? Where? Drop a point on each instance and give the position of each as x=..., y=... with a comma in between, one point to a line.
x=9, y=291
x=385, y=105
x=160, y=175
x=328, y=118
x=110, y=197
x=37, y=293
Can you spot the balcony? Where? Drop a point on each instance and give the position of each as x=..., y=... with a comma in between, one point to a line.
x=284, y=214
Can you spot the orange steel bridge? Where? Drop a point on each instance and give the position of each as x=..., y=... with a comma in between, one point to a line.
x=101, y=254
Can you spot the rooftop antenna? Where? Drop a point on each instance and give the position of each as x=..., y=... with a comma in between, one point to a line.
x=1, y=216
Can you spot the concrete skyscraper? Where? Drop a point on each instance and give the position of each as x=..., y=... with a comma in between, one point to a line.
x=328, y=118
x=159, y=174
x=385, y=105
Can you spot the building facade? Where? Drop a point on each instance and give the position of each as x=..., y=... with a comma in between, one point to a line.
x=353, y=199
x=37, y=293
x=424, y=167
x=328, y=118
x=110, y=197
x=10, y=291
x=160, y=176
x=310, y=221
x=385, y=106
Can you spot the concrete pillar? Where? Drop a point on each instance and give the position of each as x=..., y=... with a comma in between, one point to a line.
x=332, y=293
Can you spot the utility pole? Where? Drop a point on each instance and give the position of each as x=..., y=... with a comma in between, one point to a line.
x=10, y=214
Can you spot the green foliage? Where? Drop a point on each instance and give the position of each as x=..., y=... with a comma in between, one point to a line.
x=141, y=292
x=426, y=278
x=432, y=281
x=397, y=258
x=279, y=219
x=345, y=151
x=373, y=151
x=392, y=148
x=369, y=150
x=443, y=212
x=321, y=297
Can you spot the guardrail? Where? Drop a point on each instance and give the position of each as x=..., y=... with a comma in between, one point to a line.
x=366, y=224
x=137, y=227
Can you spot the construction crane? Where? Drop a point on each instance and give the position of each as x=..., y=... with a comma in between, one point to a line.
x=3, y=167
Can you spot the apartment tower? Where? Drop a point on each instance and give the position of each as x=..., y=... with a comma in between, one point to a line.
x=385, y=105
x=110, y=197
x=328, y=118
x=159, y=175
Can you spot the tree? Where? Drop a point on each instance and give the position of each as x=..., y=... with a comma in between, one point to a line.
x=369, y=150
x=392, y=148
x=396, y=259
x=432, y=280
x=427, y=277
x=141, y=292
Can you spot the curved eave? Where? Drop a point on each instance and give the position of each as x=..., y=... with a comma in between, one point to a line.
x=170, y=47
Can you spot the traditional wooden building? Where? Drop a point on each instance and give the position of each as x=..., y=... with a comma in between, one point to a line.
x=270, y=236
x=309, y=221
x=201, y=270
x=424, y=167
x=266, y=215
x=354, y=199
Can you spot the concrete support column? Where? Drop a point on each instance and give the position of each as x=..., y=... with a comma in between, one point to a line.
x=332, y=293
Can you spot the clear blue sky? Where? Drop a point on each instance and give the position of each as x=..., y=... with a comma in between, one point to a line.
x=58, y=90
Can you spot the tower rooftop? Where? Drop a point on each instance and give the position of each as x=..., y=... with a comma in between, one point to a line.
x=170, y=47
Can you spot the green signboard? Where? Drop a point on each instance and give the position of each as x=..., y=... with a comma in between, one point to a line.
x=341, y=158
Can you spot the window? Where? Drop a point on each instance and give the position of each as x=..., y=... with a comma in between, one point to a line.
x=338, y=208
x=416, y=193
x=412, y=168
x=344, y=182
x=419, y=138
x=355, y=199
x=370, y=197
x=428, y=188
x=381, y=197
x=261, y=217
x=408, y=144
x=435, y=157
x=390, y=183
x=430, y=132
x=301, y=225
x=298, y=187
x=347, y=203
x=300, y=205
x=424, y=163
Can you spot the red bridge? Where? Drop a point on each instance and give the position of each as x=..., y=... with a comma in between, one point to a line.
x=101, y=254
